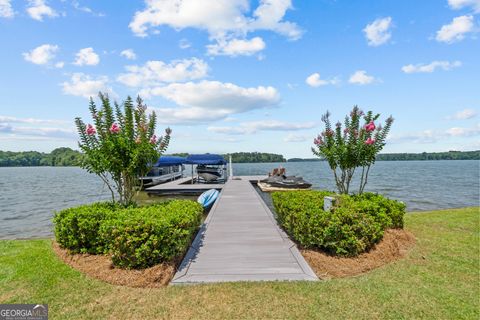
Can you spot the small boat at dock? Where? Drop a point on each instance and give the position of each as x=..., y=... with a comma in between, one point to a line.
x=167, y=168
x=277, y=181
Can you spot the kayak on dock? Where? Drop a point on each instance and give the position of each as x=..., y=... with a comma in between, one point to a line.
x=207, y=198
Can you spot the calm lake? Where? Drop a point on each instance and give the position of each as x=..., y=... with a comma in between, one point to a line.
x=30, y=195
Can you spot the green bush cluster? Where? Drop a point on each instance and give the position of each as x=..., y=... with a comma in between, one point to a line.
x=354, y=225
x=77, y=229
x=141, y=237
x=134, y=237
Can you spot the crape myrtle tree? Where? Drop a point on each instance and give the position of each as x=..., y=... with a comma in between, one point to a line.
x=120, y=145
x=351, y=147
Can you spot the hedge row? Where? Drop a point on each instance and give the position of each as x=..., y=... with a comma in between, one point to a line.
x=134, y=237
x=353, y=226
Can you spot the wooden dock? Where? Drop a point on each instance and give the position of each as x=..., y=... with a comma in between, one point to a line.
x=241, y=241
x=183, y=185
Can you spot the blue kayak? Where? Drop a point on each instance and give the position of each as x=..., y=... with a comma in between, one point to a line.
x=207, y=198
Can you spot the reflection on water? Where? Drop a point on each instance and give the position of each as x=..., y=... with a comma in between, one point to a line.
x=29, y=196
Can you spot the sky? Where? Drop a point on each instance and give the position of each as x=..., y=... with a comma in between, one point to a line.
x=238, y=75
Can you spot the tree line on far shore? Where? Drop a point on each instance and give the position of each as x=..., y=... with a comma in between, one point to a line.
x=450, y=155
x=63, y=157
x=60, y=157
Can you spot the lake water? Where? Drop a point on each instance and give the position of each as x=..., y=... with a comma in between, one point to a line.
x=29, y=196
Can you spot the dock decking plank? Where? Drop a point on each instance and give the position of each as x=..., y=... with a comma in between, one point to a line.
x=240, y=241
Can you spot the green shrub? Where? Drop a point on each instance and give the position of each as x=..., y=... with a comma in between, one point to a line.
x=142, y=237
x=76, y=229
x=353, y=226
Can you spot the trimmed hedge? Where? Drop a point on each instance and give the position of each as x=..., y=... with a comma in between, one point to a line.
x=353, y=226
x=76, y=229
x=135, y=237
x=143, y=237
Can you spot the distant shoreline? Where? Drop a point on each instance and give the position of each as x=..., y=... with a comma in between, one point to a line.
x=66, y=157
x=306, y=160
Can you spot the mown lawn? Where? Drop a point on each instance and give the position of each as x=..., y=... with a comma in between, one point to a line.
x=439, y=279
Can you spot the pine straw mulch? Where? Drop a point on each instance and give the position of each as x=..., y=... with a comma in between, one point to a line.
x=394, y=245
x=101, y=268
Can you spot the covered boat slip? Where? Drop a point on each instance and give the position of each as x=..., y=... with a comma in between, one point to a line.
x=167, y=168
x=185, y=185
x=209, y=167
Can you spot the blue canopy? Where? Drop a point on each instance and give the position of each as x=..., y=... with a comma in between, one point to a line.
x=205, y=159
x=165, y=161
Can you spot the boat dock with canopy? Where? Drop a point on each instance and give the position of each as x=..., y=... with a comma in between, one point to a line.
x=210, y=168
x=167, y=168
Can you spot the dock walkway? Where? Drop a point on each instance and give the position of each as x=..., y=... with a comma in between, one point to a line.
x=241, y=241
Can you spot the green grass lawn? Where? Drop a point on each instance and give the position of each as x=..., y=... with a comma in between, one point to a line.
x=439, y=279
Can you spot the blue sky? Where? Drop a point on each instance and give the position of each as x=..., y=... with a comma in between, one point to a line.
x=238, y=75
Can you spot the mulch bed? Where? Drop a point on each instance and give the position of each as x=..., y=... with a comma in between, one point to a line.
x=394, y=245
x=101, y=268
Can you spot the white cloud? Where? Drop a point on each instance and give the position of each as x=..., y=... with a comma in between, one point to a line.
x=314, y=80
x=86, y=56
x=7, y=119
x=433, y=136
x=460, y=4
x=129, y=54
x=463, y=115
x=360, y=77
x=38, y=128
x=59, y=64
x=79, y=7
x=295, y=138
x=40, y=132
x=42, y=54
x=228, y=22
x=156, y=72
x=456, y=30
x=431, y=67
x=236, y=47
x=267, y=125
x=218, y=95
x=269, y=15
x=6, y=10
x=184, y=44
x=38, y=9
x=207, y=101
x=86, y=86
x=218, y=17
x=377, y=32
x=463, y=132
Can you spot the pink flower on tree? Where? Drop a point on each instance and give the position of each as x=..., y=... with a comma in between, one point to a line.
x=370, y=141
x=370, y=126
x=114, y=128
x=318, y=141
x=153, y=139
x=91, y=130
